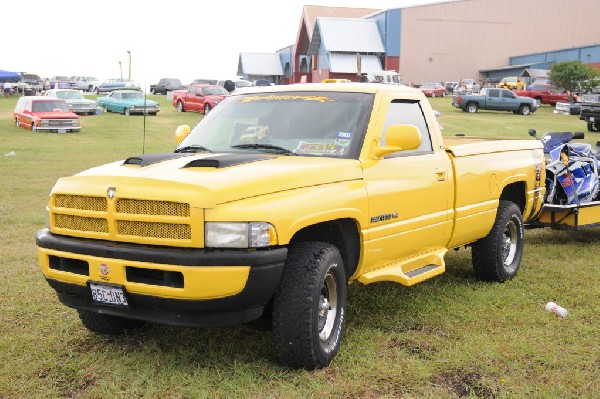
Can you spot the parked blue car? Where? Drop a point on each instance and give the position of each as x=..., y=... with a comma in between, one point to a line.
x=128, y=102
x=113, y=84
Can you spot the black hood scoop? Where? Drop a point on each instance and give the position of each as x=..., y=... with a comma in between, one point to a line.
x=149, y=159
x=223, y=161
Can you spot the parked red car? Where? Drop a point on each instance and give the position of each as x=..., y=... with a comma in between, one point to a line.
x=45, y=114
x=199, y=98
x=433, y=89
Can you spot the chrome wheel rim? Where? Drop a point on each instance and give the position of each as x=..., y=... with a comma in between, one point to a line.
x=328, y=306
x=509, y=243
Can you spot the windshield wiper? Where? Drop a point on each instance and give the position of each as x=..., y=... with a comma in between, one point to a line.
x=265, y=147
x=193, y=148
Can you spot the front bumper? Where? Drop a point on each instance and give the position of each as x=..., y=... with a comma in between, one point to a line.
x=175, y=286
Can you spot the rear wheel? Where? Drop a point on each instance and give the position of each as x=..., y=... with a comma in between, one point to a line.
x=497, y=256
x=309, y=306
x=106, y=324
x=472, y=108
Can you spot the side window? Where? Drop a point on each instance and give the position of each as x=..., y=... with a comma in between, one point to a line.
x=401, y=112
x=508, y=94
x=493, y=93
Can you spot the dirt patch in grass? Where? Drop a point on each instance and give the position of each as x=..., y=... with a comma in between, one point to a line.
x=465, y=383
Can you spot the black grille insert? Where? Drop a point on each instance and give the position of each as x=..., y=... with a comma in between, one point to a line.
x=154, y=277
x=76, y=266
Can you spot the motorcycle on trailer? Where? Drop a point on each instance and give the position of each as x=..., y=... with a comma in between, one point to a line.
x=572, y=181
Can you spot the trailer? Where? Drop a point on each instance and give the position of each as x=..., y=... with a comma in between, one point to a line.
x=568, y=217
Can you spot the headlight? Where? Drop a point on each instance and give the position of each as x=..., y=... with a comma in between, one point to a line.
x=239, y=235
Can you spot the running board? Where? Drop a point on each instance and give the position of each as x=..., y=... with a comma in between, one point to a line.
x=409, y=271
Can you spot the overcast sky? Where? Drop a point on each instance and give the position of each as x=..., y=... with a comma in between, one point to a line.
x=183, y=39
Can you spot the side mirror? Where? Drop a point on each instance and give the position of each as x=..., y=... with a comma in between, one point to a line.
x=399, y=138
x=181, y=133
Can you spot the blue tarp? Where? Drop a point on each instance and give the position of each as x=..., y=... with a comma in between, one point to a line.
x=7, y=76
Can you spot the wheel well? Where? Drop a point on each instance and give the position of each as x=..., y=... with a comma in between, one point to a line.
x=515, y=192
x=343, y=233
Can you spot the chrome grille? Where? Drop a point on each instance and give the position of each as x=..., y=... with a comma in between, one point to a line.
x=62, y=122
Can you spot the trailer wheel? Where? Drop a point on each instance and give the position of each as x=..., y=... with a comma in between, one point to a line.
x=497, y=256
x=593, y=126
x=107, y=324
x=309, y=306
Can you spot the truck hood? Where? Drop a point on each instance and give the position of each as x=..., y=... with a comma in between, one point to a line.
x=206, y=180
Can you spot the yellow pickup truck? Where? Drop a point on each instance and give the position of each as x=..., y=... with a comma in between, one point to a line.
x=274, y=202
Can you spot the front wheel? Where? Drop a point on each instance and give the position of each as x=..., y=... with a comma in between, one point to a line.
x=34, y=127
x=180, y=106
x=126, y=112
x=525, y=110
x=309, y=306
x=206, y=109
x=497, y=256
x=106, y=324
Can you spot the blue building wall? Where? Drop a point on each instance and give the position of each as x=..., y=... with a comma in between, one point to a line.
x=389, y=26
x=586, y=54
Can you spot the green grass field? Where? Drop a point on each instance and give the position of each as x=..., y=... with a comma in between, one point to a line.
x=450, y=337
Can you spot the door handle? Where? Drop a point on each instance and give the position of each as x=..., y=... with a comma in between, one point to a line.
x=440, y=174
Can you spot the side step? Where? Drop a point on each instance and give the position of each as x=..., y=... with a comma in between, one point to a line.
x=409, y=271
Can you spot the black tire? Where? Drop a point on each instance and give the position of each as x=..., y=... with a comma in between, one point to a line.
x=525, y=109
x=126, y=112
x=472, y=107
x=180, y=107
x=309, y=306
x=33, y=127
x=107, y=324
x=538, y=102
x=497, y=256
x=593, y=126
x=97, y=90
x=17, y=122
x=206, y=109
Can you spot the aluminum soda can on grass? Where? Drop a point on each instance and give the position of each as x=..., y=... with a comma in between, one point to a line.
x=554, y=308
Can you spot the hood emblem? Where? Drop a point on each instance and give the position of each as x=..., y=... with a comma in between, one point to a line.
x=110, y=193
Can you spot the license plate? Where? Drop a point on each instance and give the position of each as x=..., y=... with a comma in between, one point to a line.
x=62, y=130
x=591, y=119
x=108, y=294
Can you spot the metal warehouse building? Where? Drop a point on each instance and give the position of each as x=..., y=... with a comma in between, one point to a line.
x=440, y=42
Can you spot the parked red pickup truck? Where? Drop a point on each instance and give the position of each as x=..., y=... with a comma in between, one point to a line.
x=199, y=98
x=543, y=94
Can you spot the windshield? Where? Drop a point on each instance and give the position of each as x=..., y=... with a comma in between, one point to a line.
x=215, y=91
x=132, y=95
x=330, y=124
x=49, y=106
x=69, y=95
x=242, y=83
